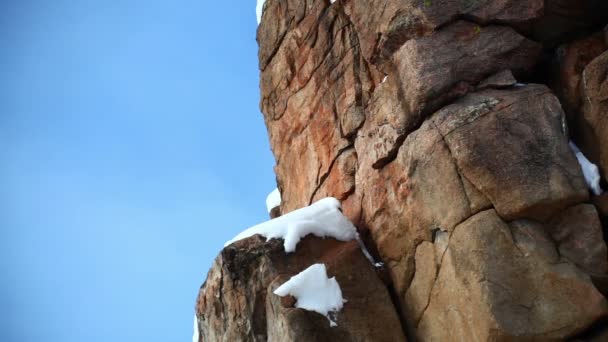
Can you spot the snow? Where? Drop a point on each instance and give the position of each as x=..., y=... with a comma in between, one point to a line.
x=315, y=292
x=590, y=170
x=323, y=218
x=195, y=336
x=332, y=1
x=384, y=79
x=259, y=9
x=273, y=200
x=367, y=253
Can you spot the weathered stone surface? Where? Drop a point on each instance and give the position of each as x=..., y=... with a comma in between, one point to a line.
x=275, y=212
x=491, y=287
x=313, y=91
x=594, y=131
x=402, y=203
x=577, y=232
x=367, y=316
x=383, y=31
x=502, y=79
x=436, y=69
x=571, y=60
x=486, y=133
x=430, y=71
x=459, y=162
x=236, y=302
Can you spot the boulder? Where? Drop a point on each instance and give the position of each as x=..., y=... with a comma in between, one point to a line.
x=382, y=32
x=236, y=302
x=511, y=146
x=594, y=137
x=431, y=71
x=501, y=282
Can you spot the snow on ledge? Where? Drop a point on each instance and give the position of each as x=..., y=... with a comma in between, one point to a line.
x=315, y=292
x=273, y=200
x=590, y=170
x=259, y=9
x=323, y=218
x=195, y=336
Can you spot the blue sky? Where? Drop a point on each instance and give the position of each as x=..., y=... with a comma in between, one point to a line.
x=131, y=148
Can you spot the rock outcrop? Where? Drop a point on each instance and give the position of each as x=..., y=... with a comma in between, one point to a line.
x=443, y=127
x=236, y=302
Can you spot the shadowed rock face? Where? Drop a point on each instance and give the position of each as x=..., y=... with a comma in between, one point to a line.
x=237, y=303
x=410, y=113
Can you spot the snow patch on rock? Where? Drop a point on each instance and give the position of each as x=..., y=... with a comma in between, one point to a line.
x=314, y=291
x=273, y=200
x=195, y=336
x=259, y=9
x=590, y=170
x=323, y=218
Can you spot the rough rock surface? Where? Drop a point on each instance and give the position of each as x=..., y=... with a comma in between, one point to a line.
x=443, y=127
x=236, y=302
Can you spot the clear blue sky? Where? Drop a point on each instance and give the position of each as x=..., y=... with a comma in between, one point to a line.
x=131, y=148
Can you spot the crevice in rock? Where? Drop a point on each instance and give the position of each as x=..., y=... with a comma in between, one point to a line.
x=258, y=317
x=458, y=170
x=436, y=277
x=326, y=174
x=290, y=25
x=326, y=54
x=410, y=333
x=598, y=331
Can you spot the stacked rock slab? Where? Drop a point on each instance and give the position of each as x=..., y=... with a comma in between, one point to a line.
x=410, y=112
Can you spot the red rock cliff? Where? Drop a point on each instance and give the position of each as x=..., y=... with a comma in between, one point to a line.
x=443, y=127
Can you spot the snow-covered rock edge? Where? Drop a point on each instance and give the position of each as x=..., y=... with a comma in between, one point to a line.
x=323, y=218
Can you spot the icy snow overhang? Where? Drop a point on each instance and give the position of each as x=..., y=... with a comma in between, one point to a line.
x=323, y=218
x=273, y=200
x=314, y=291
x=590, y=170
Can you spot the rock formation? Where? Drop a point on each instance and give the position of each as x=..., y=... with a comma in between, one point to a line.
x=443, y=127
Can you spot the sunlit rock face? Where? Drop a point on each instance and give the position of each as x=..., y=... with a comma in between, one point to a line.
x=443, y=128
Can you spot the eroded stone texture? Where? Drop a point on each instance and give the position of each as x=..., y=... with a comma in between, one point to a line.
x=577, y=232
x=466, y=158
x=571, y=60
x=236, y=302
x=430, y=71
x=382, y=31
x=594, y=137
x=491, y=287
x=313, y=90
x=510, y=145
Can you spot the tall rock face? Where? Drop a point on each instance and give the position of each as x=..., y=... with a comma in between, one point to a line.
x=443, y=127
